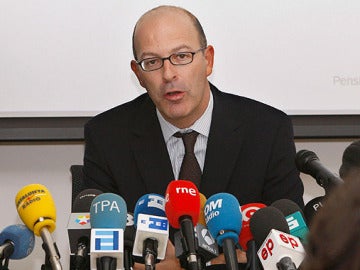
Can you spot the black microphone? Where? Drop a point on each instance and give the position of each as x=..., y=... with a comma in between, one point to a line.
x=79, y=229
x=129, y=239
x=309, y=163
x=279, y=250
x=311, y=208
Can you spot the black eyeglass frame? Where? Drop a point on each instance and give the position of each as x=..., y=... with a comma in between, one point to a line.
x=140, y=63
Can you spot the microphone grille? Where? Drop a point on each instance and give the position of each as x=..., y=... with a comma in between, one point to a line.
x=265, y=219
x=302, y=158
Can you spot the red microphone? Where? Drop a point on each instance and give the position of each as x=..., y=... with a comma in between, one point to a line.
x=182, y=208
x=247, y=211
x=246, y=239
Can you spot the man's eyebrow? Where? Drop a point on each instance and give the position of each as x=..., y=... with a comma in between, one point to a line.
x=150, y=54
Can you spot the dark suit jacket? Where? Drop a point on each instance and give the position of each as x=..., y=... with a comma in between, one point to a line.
x=250, y=152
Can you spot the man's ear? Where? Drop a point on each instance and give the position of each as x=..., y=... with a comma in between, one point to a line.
x=135, y=68
x=209, y=56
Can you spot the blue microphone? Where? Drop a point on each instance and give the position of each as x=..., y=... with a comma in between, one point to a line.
x=152, y=230
x=108, y=217
x=16, y=242
x=223, y=218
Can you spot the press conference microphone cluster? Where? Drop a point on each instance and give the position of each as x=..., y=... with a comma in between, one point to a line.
x=108, y=218
x=79, y=229
x=36, y=209
x=308, y=162
x=16, y=242
x=152, y=230
x=224, y=218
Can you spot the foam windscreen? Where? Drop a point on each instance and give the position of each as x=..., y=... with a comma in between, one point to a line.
x=182, y=199
x=108, y=210
x=36, y=208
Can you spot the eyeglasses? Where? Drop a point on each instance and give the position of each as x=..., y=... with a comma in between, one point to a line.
x=177, y=59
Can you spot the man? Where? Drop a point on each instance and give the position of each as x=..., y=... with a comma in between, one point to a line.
x=244, y=147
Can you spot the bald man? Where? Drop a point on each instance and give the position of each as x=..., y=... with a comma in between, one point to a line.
x=244, y=147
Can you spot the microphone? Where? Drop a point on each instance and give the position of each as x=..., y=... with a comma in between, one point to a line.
x=129, y=238
x=82, y=201
x=311, y=208
x=152, y=230
x=281, y=251
x=224, y=218
x=36, y=209
x=265, y=219
x=294, y=217
x=182, y=205
x=206, y=246
x=16, y=242
x=277, y=247
x=108, y=214
x=246, y=239
x=79, y=229
x=309, y=163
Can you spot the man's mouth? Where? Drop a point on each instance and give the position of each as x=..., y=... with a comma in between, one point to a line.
x=174, y=95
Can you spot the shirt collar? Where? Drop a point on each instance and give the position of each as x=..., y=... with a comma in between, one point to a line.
x=202, y=125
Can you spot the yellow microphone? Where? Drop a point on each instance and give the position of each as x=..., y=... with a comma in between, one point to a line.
x=202, y=206
x=36, y=209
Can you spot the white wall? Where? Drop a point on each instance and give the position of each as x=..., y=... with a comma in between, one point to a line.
x=48, y=164
x=64, y=50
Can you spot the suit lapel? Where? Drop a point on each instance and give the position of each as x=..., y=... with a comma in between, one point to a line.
x=224, y=144
x=150, y=150
x=152, y=158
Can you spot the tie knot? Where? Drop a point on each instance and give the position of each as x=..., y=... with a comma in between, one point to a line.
x=189, y=139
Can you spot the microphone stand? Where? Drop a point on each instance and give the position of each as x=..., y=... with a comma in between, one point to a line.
x=50, y=261
x=230, y=254
x=106, y=263
x=9, y=249
x=46, y=265
x=5, y=265
x=189, y=243
x=252, y=258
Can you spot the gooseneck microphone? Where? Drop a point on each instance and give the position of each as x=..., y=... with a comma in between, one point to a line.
x=308, y=162
x=16, y=242
x=108, y=214
x=152, y=229
x=182, y=206
x=224, y=219
x=36, y=209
